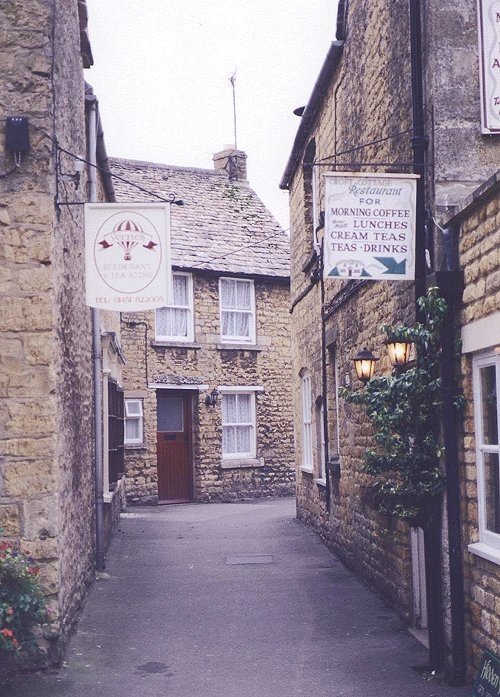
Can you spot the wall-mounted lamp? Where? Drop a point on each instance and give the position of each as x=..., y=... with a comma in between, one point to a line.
x=399, y=352
x=364, y=363
x=211, y=399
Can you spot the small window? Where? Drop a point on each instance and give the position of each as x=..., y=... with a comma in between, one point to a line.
x=487, y=427
x=237, y=310
x=134, y=421
x=175, y=322
x=307, y=444
x=238, y=425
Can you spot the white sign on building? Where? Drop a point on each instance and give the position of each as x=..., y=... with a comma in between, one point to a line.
x=127, y=256
x=489, y=64
x=370, y=226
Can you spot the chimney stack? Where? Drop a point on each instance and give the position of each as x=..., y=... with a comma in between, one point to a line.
x=233, y=161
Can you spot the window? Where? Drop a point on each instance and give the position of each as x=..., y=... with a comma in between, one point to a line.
x=237, y=310
x=116, y=437
x=320, y=416
x=307, y=450
x=133, y=421
x=486, y=377
x=333, y=401
x=238, y=425
x=175, y=322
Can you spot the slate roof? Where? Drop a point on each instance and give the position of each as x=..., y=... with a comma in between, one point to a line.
x=223, y=226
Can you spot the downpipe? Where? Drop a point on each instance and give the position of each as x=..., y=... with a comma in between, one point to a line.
x=97, y=362
x=432, y=532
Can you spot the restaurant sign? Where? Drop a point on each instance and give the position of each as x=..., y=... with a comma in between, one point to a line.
x=127, y=256
x=370, y=226
x=489, y=63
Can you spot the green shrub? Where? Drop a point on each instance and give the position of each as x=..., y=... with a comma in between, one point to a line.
x=22, y=604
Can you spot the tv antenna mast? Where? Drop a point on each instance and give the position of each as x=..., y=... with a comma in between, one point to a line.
x=232, y=80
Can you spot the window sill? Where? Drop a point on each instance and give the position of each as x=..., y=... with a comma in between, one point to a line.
x=480, y=549
x=240, y=464
x=135, y=446
x=320, y=482
x=306, y=470
x=174, y=344
x=238, y=347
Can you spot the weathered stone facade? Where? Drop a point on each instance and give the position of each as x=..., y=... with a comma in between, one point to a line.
x=221, y=231
x=478, y=220
x=359, y=118
x=46, y=427
x=267, y=366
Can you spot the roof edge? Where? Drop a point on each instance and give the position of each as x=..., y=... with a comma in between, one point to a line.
x=330, y=64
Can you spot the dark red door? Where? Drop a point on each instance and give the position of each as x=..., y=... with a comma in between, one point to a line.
x=174, y=461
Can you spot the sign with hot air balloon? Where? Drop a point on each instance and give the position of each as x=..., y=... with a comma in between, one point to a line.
x=127, y=256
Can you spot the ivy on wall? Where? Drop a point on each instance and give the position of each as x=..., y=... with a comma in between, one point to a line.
x=404, y=409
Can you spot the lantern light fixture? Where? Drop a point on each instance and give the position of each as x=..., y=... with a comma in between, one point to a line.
x=211, y=399
x=399, y=352
x=364, y=364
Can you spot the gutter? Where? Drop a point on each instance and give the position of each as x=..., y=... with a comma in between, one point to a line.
x=330, y=64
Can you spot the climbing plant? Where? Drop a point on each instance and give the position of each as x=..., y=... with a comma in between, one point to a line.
x=404, y=409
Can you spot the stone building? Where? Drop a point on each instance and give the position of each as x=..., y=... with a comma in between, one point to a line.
x=47, y=462
x=207, y=380
x=398, y=93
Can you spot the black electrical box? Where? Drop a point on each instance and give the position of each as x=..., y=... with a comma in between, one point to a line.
x=17, y=135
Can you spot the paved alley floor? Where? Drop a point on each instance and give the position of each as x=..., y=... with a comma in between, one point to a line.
x=231, y=600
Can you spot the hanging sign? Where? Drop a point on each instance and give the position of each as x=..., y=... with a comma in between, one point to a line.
x=127, y=256
x=489, y=63
x=370, y=226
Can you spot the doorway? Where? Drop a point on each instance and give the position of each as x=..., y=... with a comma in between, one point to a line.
x=174, y=446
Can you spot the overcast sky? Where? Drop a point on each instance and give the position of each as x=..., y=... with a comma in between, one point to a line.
x=161, y=73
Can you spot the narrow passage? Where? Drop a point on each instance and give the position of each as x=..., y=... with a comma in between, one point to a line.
x=231, y=600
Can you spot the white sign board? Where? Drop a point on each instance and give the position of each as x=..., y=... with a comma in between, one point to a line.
x=370, y=226
x=489, y=63
x=127, y=256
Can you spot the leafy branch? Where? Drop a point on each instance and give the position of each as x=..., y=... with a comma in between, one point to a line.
x=404, y=409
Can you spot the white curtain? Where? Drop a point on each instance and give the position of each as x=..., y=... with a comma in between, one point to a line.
x=236, y=302
x=173, y=321
x=236, y=423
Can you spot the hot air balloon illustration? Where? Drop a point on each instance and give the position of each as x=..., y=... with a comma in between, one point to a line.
x=126, y=234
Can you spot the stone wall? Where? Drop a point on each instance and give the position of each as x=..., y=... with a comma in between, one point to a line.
x=363, y=116
x=479, y=253
x=354, y=311
x=206, y=363
x=46, y=485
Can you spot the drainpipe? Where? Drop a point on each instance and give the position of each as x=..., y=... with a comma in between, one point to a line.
x=432, y=531
x=450, y=282
x=324, y=379
x=97, y=360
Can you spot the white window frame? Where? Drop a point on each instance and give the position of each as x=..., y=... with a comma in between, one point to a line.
x=134, y=417
x=489, y=541
x=229, y=339
x=307, y=422
x=239, y=391
x=189, y=338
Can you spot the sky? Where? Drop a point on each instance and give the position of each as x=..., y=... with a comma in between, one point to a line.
x=162, y=72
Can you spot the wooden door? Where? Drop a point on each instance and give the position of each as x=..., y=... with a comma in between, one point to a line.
x=174, y=438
